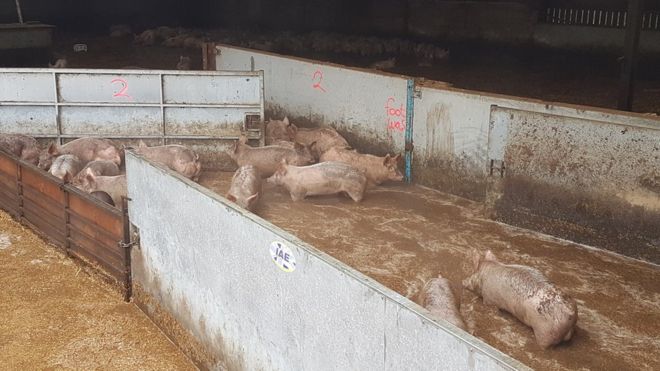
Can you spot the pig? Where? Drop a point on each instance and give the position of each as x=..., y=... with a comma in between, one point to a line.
x=66, y=167
x=179, y=158
x=377, y=169
x=267, y=159
x=98, y=167
x=183, y=64
x=527, y=294
x=384, y=65
x=86, y=149
x=146, y=38
x=437, y=298
x=245, y=187
x=324, y=178
x=103, y=196
x=59, y=63
x=115, y=186
x=22, y=146
x=324, y=138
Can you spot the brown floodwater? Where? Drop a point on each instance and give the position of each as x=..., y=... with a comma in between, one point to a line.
x=404, y=235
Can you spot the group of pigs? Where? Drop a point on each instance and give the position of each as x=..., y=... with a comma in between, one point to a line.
x=306, y=162
x=310, y=162
x=288, y=161
x=520, y=290
x=94, y=165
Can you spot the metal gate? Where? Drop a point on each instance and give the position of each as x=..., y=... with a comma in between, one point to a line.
x=132, y=104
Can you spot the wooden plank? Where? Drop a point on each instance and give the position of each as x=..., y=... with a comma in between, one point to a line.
x=43, y=183
x=96, y=234
x=86, y=256
x=96, y=252
x=48, y=205
x=108, y=219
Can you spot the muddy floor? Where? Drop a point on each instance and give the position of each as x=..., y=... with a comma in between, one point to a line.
x=404, y=235
x=56, y=315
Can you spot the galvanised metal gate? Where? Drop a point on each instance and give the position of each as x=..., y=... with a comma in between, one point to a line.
x=171, y=106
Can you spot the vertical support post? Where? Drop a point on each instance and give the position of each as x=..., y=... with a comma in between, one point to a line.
x=67, y=222
x=410, y=110
x=162, y=110
x=19, y=11
x=19, y=190
x=208, y=56
x=633, y=30
x=58, y=121
x=126, y=243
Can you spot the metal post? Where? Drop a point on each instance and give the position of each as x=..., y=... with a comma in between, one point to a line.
x=410, y=110
x=633, y=29
x=18, y=10
x=128, y=284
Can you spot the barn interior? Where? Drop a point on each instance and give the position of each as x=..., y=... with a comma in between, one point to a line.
x=580, y=54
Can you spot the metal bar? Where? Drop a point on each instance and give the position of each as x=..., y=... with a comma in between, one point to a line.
x=19, y=11
x=262, y=140
x=67, y=224
x=187, y=137
x=91, y=71
x=162, y=108
x=128, y=285
x=626, y=84
x=156, y=105
x=58, y=122
x=410, y=108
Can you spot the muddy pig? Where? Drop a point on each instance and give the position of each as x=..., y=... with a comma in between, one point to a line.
x=66, y=167
x=267, y=159
x=103, y=196
x=527, y=294
x=377, y=169
x=22, y=146
x=98, y=167
x=324, y=178
x=323, y=138
x=181, y=159
x=115, y=186
x=437, y=298
x=245, y=187
x=86, y=149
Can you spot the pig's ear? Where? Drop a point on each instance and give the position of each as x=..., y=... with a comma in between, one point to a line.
x=291, y=130
x=91, y=179
x=231, y=198
x=253, y=199
x=284, y=162
x=286, y=121
x=142, y=144
x=396, y=158
x=298, y=147
x=386, y=160
x=67, y=177
x=312, y=145
x=52, y=149
x=490, y=256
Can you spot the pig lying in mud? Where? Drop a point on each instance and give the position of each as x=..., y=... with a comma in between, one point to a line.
x=325, y=178
x=377, y=169
x=527, y=294
x=267, y=159
x=86, y=149
x=98, y=167
x=115, y=186
x=181, y=159
x=245, y=187
x=324, y=138
x=66, y=167
x=437, y=298
x=22, y=146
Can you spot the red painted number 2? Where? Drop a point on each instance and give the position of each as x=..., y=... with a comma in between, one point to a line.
x=318, y=79
x=122, y=90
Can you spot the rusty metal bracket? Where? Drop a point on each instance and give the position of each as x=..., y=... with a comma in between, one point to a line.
x=497, y=165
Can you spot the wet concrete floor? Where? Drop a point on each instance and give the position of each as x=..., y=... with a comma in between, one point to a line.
x=404, y=235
